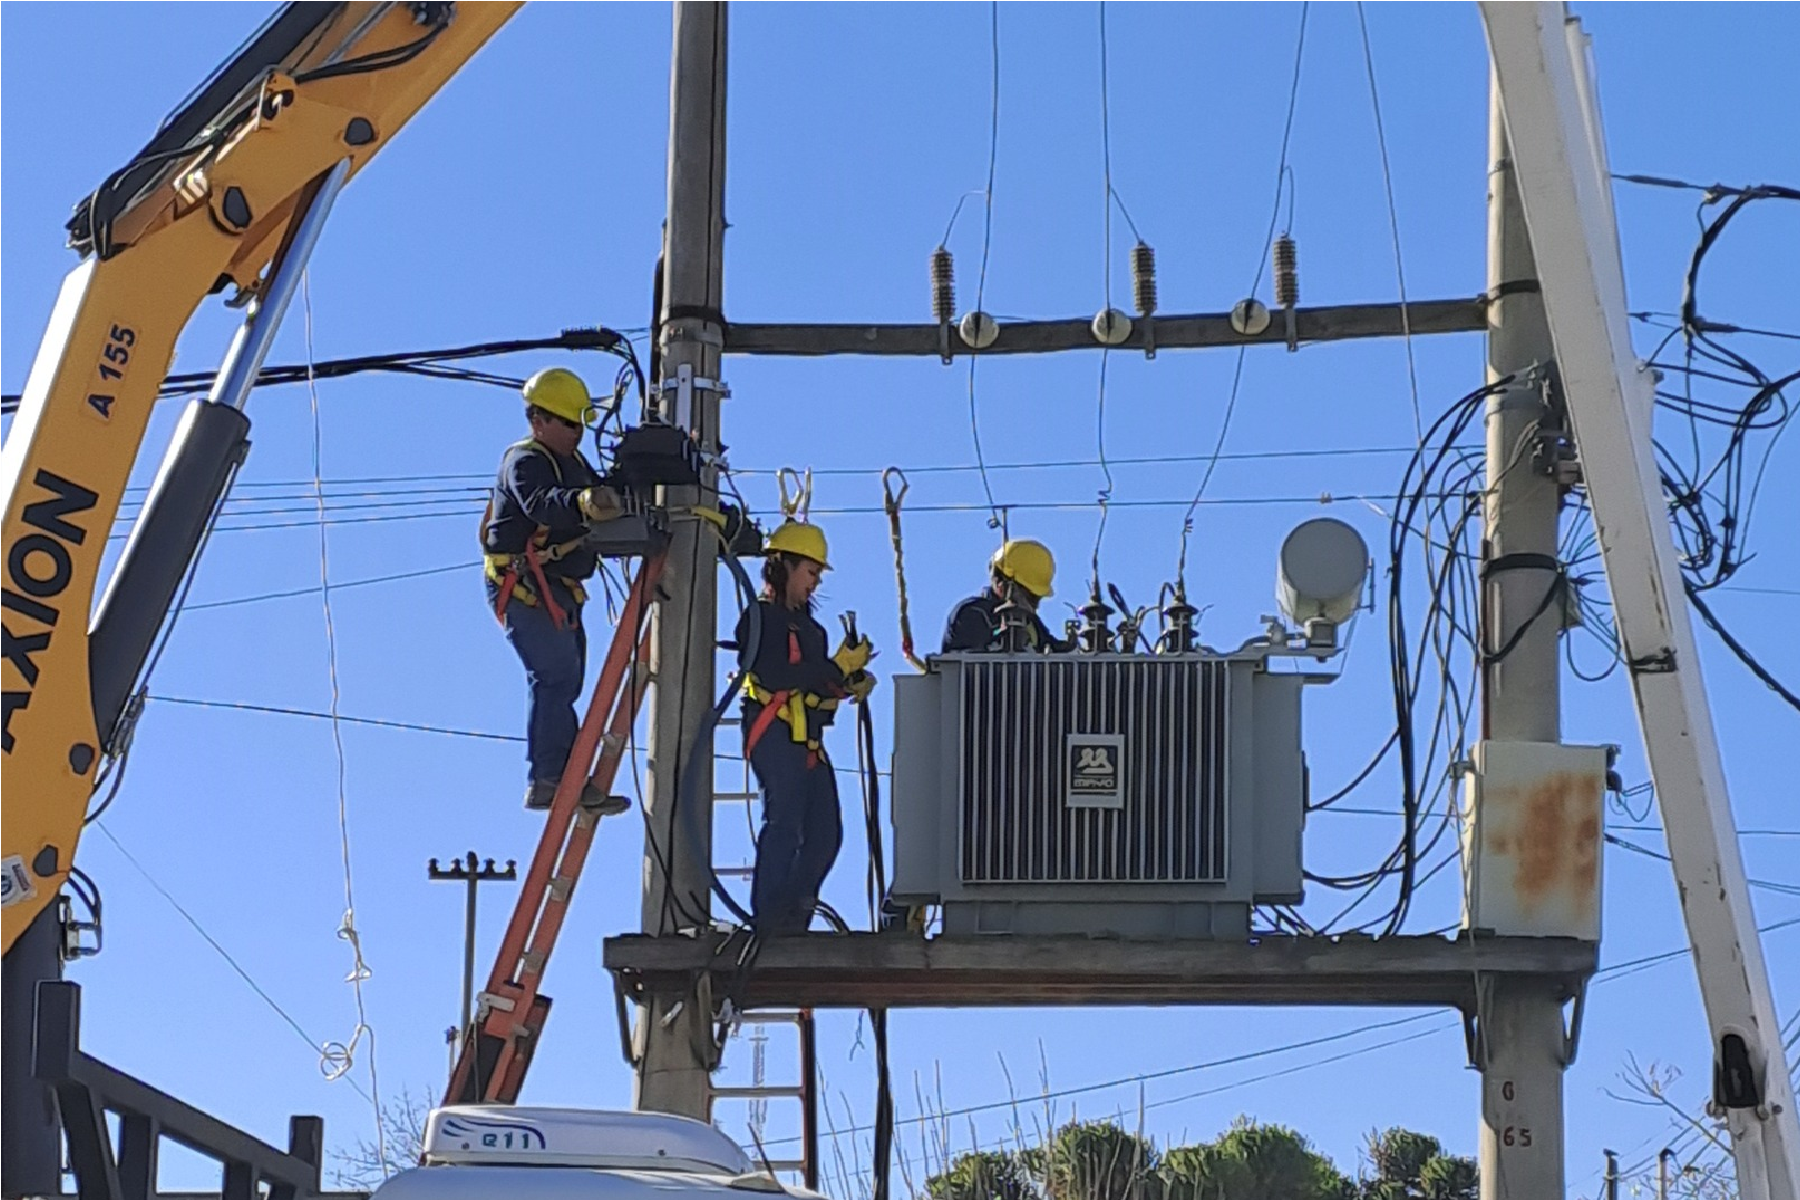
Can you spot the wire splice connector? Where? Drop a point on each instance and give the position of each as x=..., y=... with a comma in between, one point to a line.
x=1287, y=272
x=943, y=286
x=1143, y=278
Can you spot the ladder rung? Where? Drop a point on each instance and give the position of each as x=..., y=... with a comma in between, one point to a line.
x=735, y=872
x=739, y=797
x=758, y=1093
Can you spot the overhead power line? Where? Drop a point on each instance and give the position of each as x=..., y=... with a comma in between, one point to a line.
x=1343, y=811
x=280, y=711
x=1786, y=889
x=407, y=726
x=315, y=589
x=218, y=948
x=857, y=510
x=431, y=364
x=1150, y=1076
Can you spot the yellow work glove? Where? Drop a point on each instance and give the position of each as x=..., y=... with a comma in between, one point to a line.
x=860, y=685
x=852, y=657
x=600, y=504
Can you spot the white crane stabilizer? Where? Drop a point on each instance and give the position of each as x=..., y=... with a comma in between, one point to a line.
x=1560, y=165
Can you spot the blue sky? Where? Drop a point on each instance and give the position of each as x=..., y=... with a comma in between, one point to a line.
x=528, y=197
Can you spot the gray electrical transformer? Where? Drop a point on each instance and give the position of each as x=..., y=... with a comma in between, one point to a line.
x=1105, y=794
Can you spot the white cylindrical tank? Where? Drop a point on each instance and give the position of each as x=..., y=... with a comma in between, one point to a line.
x=1324, y=565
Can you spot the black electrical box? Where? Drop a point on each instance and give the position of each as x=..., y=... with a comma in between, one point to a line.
x=652, y=455
x=641, y=534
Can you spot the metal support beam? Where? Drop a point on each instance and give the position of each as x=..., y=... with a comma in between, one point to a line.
x=1561, y=169
x=31, y=1145
x=1521, y=1143
x=1195, y=331
x=672, y=1044
x=881, y=970
x=87, y=1089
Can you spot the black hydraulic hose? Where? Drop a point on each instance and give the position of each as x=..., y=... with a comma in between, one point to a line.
x=884, y=1105
x=700, y=755
x=884, y=1093
x=865, y=729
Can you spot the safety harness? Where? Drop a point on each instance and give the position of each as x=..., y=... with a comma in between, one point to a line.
x=513, y=574
x=790, y=705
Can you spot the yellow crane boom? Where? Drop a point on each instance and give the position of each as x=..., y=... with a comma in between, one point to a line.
x=212, y=203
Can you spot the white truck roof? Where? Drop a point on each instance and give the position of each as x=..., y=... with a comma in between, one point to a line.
x=481, y=1152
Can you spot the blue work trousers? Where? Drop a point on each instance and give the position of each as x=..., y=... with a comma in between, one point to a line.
x=802, y=830
x=555, y=665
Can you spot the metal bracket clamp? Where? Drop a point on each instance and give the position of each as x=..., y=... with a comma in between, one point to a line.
x=680, y=411
x=1572, y=1031
x=1475, y=1023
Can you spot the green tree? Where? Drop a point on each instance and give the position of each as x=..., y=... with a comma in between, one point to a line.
x=1413, y=1166
x=1250, y=1161
x=1095, y=1160
x=982, y=1175
x=1099, y=1160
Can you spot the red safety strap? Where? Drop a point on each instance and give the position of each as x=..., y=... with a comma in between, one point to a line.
x=557, y=616
x=764, y=719
x=507, y=582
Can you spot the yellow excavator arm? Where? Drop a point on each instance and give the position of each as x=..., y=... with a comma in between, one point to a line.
x=212, y=203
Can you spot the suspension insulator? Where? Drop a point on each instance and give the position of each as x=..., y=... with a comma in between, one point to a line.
x=1287, y=272
x=1143, y=278
x=943, y=286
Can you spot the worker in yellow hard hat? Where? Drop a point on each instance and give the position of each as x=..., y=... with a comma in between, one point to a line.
x=792, y=688
x=1005, y=617
x=546, y=497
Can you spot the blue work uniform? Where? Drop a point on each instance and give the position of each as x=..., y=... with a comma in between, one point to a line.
x=790, y=697
x=536, y=565
x=975, y=626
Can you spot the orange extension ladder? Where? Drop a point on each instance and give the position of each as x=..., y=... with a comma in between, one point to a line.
x=510, y=1016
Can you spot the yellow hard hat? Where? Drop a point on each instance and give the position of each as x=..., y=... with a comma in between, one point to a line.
x=799, y=538
x=561, y=392
x=1028, y=564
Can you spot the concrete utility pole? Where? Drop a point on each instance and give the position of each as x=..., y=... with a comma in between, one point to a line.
x=673, y=1039
x=1520, y=1047
x=1553, y=118
x=470, y=872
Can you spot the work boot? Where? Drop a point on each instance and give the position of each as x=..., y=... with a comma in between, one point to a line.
x=542, y=793
x=600, y=803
